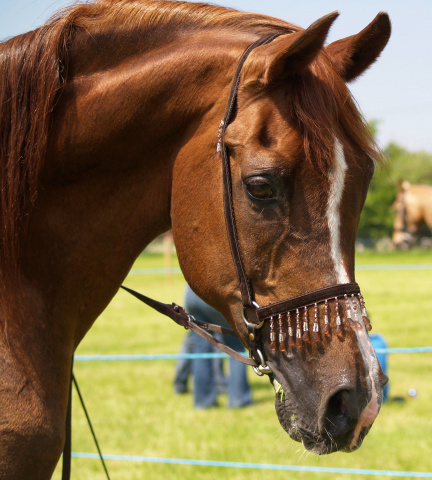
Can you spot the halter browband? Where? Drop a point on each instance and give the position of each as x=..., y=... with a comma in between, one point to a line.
x=254, y=316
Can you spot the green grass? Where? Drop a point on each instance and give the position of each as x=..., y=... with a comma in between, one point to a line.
x=135, y=411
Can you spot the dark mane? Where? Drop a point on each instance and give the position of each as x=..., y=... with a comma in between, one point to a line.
x=171, y=15
x=31, y=67
x=29, y=83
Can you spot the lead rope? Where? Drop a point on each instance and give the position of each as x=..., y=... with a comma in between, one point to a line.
x=67, y=452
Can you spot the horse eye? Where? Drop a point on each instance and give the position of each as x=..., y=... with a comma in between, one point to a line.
x=259, y=188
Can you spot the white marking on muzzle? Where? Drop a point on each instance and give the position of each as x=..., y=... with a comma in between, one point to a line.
x=371, y=410
x=337, y=184
x=368, y=414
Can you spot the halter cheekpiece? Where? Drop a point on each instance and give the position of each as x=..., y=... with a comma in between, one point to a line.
x=294, y=322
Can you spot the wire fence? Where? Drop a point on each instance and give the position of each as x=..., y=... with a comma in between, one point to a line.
x=241, y=465
x=178, y=356
x=260, y=466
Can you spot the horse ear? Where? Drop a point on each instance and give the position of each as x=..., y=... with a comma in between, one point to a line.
x=403, y=185
x=289, y=53
x=406, y=185
x=353, y=55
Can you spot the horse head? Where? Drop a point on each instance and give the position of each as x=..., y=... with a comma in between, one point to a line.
x=301, y=162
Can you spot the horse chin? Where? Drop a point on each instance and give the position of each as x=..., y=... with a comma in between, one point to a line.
x=287, y=418
x=311, y=439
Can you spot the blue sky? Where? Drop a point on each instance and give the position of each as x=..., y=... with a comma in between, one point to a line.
x=396, y=91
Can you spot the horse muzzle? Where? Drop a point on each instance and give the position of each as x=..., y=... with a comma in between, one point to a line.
x=342, y=420
x=337, y=435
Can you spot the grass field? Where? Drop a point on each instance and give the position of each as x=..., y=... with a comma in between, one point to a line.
x=135, y=412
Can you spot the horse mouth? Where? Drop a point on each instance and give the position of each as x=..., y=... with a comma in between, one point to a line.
x=313, y=440
x=324, y=446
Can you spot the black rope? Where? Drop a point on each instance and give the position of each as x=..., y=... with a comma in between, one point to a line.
x=90, y=425
x=67, y=451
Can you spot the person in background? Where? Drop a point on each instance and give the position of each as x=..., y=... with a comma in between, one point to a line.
x=207, y=374
x=184, y=365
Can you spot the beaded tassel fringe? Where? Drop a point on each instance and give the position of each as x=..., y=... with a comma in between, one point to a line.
x=292, y=330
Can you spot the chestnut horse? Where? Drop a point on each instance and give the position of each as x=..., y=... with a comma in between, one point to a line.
x=413, y=209
x=109, y=126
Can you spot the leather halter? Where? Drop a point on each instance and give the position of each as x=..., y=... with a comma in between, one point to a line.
x=254, y=316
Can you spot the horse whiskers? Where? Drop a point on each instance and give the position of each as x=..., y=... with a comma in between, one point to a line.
x=303, y=453
x=329, y=421
x=330, y=436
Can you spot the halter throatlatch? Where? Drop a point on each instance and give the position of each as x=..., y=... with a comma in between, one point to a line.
x=290, y=319
x=281, y=315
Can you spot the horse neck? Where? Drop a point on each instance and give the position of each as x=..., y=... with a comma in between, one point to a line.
x=139, y=111
x=117, y=133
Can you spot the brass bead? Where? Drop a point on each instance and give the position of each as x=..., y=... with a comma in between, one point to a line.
x=251, y=336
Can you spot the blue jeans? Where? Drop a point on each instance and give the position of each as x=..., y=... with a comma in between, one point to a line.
x=184, y=365
x=205, y=380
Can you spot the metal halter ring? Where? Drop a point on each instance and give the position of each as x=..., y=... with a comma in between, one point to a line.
x=262, y=368
x=191, y=319
x=250, y=324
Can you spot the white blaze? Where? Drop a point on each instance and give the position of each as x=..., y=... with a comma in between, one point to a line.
x=337, y=178
x=337, y=183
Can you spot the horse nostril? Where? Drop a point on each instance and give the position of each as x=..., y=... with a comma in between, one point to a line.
x=341, y=414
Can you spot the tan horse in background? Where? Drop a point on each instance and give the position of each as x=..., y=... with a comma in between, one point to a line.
x=413, y=209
